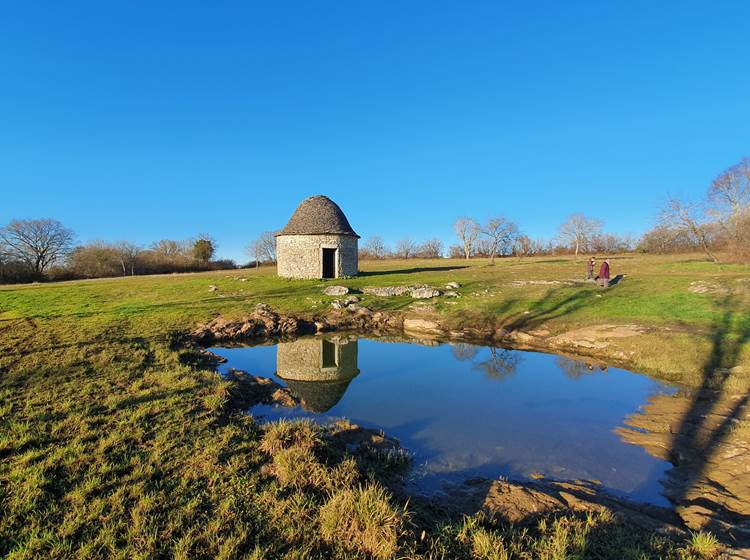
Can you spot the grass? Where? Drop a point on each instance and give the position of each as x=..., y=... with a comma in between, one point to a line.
x=113, y=446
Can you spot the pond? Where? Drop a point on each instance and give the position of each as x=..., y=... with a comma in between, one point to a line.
x=466, y=411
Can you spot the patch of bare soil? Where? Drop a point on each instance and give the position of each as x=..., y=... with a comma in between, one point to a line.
x=710, y=483
x=596, y=336
x=523, y=503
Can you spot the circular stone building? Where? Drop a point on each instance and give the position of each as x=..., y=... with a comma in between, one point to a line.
x=318, y=242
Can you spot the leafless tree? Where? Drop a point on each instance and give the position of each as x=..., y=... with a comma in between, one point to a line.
x=128, y=255
x=374, y=248
x=467, y=230
x=578, y=231
x=501, y=234
x=430, y=249
x=405, y=248
x=36, y=243
x=678, y=214
x=729, y=199
x=263, y=249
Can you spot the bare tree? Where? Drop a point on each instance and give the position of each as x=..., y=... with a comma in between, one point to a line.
x=678, y=214
x=467, y=230
x=128, y=255
x=501, y=234
x=36, y=243
x=405, y=248
x=374, y=247
x=729, y=197
x=431, y=249
x=263, y=249
x=578, y=231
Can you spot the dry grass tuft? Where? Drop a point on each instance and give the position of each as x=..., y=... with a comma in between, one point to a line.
x=362, y=520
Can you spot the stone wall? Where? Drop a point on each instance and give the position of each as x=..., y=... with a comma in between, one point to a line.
x=301, y=256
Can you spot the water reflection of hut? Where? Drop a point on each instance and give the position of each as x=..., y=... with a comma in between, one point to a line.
x=318, y=371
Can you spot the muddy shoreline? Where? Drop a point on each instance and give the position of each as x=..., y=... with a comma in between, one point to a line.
x=708, y=493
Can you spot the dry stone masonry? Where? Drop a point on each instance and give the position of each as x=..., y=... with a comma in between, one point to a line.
x=318, y=242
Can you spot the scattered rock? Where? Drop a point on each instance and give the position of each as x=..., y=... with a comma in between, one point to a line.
x=351, y=299
x=213, y=288
x=450, y=293
x=336, y=291
x=453, y=286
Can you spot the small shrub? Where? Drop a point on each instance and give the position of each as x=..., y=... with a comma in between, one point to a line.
x=705, y=545
x=362, y=520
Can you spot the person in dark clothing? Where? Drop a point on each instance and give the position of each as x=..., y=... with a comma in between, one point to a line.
x=590, y=268
x=604, y=274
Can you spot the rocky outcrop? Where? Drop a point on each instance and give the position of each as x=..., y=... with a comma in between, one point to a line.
x=416, y=292
x=424, y=293
x=387, y=291
x=249, y=390
x=263, y=322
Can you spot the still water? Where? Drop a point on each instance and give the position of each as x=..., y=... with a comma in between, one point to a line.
x=464, y=411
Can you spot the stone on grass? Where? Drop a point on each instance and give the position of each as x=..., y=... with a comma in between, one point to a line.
x=453, y=285
x=424, y=293
x=212, y=288
x=336, y=291
x=387, y=291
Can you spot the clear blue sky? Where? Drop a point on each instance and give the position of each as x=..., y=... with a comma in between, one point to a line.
x=148, y=120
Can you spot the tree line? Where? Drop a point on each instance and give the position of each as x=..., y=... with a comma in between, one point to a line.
x=32, y=250
x=43, y=249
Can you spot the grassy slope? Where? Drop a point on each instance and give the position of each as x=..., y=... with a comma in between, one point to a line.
x=111, y=446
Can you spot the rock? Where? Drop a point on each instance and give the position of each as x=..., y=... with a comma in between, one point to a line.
x=453, y=286
x=424, y=293
x=337, y=304
x=213, y=288
x=423, y=326
x=351, y=299
x=387, y=291
x=336, y=291
x=708, y=288
x=450, y=293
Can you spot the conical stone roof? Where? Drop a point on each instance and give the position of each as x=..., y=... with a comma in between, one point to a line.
x=318, y=215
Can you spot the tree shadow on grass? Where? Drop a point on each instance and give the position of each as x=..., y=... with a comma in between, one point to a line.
x=411, y=270
x=700, y=437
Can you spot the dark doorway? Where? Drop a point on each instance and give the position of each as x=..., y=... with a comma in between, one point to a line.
x=329, y=263
x=329, y=354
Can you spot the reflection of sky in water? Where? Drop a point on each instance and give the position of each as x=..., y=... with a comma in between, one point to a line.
x=466, y=411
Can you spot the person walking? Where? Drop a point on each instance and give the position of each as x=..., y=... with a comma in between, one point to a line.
x=590, y=268
x=604, y=274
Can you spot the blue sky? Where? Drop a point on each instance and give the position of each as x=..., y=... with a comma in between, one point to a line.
x=149, y=120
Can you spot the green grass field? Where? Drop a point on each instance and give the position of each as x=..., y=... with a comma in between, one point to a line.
x=113, y=446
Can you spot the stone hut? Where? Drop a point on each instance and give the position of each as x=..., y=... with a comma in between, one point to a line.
x=318, y=242
x=317, y=370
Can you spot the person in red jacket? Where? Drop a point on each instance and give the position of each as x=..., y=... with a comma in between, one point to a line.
x=604, y=274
